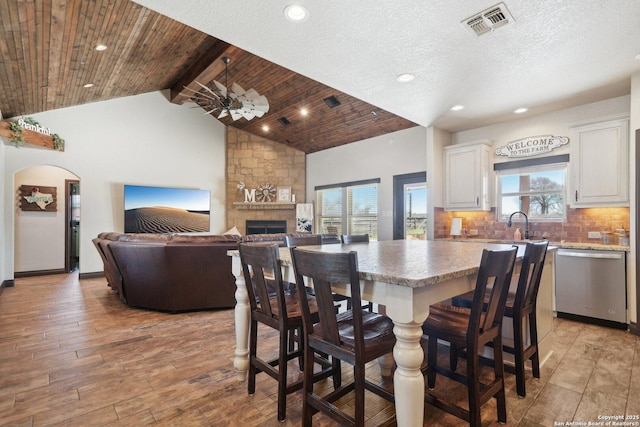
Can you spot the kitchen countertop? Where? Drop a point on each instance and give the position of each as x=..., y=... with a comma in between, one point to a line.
x=560, y=244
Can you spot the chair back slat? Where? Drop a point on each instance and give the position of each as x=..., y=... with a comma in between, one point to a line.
x=354, y=238
x=303, y=240
x=324, y=269
x=263, y=278
x=530, y=275
x=496, y=269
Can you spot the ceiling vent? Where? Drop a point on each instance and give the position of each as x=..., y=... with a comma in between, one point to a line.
x=332, y=101
x=489, y=19
x=284, y=121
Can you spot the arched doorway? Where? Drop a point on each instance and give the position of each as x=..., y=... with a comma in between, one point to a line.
x=46, y=235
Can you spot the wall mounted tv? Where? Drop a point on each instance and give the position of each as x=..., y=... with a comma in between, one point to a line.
x=165, y=209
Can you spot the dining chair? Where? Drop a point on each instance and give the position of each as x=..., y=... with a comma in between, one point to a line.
x=357, y=238
x=316, y=239
x=470, y=329
x=270, y=305
x=520, y=307
x=355, y=336
x=354, y=238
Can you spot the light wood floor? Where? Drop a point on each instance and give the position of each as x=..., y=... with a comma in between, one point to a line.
x=72, y=354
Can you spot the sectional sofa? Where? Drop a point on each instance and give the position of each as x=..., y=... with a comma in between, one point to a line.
x=171, y=272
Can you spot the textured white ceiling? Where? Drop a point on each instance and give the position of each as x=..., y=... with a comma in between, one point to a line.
x=556, y=53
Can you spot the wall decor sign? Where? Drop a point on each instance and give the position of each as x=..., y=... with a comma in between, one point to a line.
x=532, y=146
x=28, y=131
x=38, y=198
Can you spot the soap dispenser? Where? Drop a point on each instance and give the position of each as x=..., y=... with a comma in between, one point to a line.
x=517, y=235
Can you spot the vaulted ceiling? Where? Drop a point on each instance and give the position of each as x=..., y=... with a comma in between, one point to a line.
x=548, y=55
x=47, y=56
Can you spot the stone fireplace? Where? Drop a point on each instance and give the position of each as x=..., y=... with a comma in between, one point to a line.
x=255, y=161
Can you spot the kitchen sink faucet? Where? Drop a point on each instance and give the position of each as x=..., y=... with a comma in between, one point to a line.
x=526, y=222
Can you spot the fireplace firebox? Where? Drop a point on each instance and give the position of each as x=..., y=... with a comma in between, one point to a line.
x=266, y=226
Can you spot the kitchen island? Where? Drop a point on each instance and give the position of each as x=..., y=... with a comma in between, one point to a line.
x=405, y=276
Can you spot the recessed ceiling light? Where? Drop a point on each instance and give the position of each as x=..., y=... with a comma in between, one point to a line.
x=457, y=108
x=406, y=77
x=87, y=85
x=304, y=111
x=521, y=110
x=296, y=13
x=265, y=128
x=100, y=47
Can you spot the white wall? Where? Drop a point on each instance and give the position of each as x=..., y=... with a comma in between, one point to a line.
x=3, y=236
x=381, y=157
x=143, y=140
x=39, y=236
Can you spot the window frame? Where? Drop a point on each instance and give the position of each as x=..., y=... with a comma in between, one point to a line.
x=346, y=206
x=563, y=166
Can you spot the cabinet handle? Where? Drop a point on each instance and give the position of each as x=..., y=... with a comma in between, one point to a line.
x=477, y=200
x=576, y=195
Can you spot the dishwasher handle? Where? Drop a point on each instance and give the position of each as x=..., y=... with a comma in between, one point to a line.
x=590, y=255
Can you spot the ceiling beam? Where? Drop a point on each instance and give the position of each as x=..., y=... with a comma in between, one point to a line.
x=205, y=69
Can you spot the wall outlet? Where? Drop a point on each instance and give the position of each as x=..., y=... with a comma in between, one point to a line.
x=594, y=234
x=473, y=232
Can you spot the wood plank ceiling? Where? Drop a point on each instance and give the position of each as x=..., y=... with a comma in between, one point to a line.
x=47, y=55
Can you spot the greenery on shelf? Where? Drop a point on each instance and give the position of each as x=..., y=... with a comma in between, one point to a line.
x=18, y=138
x=17, y=130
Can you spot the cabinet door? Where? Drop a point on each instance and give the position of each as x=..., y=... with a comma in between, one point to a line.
x=466, y=178
x=600, y=165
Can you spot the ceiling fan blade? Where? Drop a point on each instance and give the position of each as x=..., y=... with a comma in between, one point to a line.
x=221, y=88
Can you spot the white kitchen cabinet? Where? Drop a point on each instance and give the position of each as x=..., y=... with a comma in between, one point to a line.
x=600, y=164
x=467, y=174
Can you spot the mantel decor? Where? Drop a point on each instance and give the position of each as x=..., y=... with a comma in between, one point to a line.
x=28, y=131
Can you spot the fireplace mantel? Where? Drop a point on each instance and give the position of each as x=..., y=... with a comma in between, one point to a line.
x=264, y=205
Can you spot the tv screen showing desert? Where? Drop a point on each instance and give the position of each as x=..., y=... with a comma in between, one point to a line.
x=165, y=209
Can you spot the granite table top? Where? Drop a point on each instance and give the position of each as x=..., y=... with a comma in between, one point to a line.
x=411, y=263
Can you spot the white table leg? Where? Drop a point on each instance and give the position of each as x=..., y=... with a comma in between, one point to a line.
x=242, y=313
x=408, y=380
x=385, y=362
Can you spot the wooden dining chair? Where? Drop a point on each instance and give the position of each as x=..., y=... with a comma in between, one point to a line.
x=520, y=307
x=471, y=329
x=356, y=336
x=354, y=238
x=302, y=240
x=270, y=305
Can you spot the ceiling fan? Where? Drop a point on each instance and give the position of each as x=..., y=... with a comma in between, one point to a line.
x=236, y=102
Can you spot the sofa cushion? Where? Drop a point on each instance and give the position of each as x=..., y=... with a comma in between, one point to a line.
x=207, y=238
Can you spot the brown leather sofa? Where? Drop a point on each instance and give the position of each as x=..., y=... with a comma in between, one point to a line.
x=171, y=272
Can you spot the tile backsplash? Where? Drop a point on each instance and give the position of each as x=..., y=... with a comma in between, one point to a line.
x=575, y=229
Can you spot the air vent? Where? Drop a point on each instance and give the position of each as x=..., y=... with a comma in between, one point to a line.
x=284, y=121
x=332, y=101
x=489, y=19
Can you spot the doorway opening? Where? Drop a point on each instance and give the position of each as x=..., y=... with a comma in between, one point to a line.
x=72, y=229
x=410, y=206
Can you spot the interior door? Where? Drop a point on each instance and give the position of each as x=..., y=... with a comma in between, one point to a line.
x=410, y=206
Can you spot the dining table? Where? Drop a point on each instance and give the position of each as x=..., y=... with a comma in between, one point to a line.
x=404, y=277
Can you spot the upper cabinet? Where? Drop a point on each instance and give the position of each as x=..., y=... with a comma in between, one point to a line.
x=600, y=165
x=467, y=172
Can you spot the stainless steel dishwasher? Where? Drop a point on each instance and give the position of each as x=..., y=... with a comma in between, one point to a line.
x=591, y=286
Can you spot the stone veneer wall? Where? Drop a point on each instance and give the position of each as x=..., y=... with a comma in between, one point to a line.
x=579, y=222
x=255, y=161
